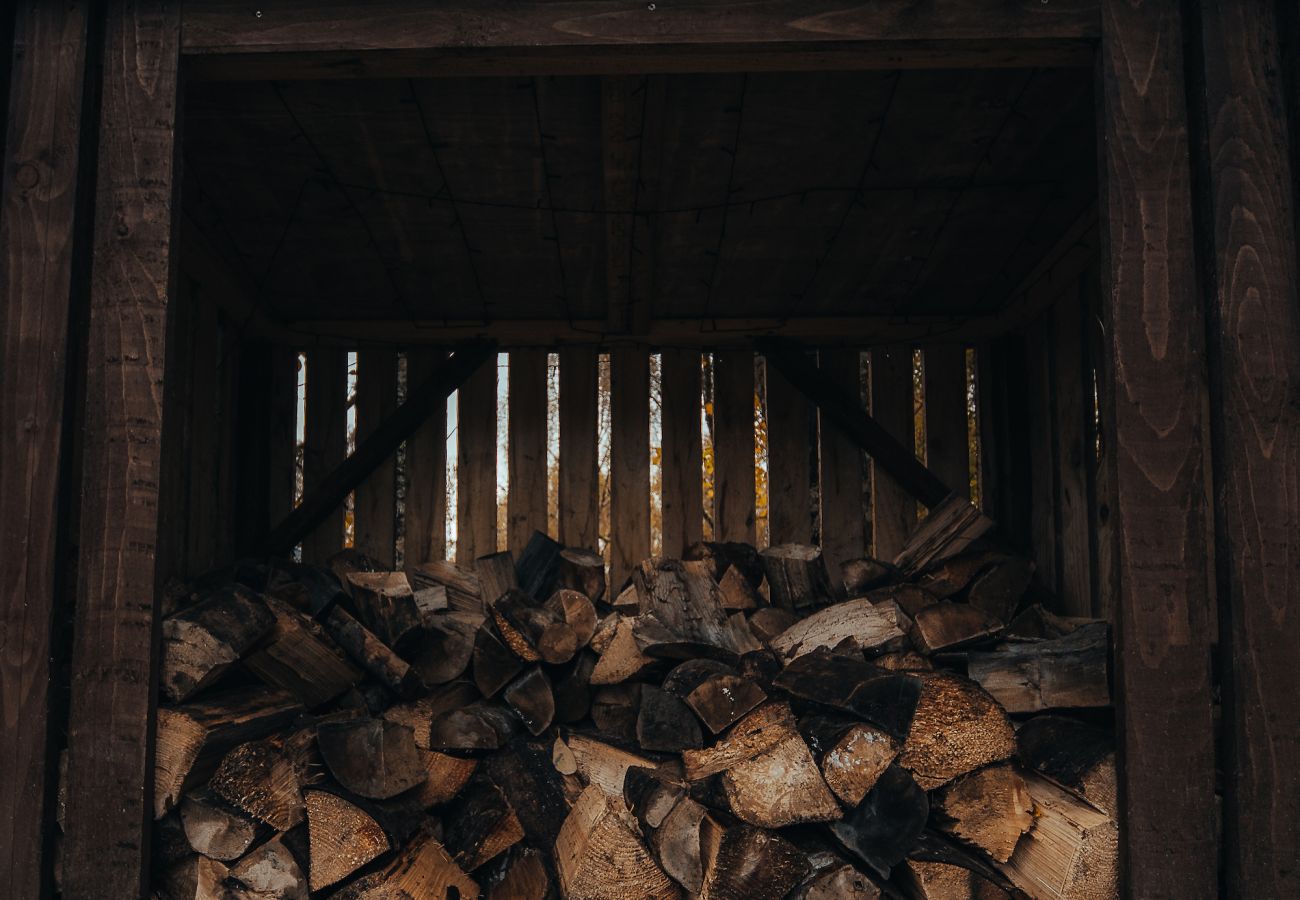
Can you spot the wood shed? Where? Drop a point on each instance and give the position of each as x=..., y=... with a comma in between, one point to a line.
x=655, y=254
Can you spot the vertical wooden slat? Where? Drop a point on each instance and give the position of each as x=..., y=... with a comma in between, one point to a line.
x=947, y=453
x=110, y=738
x=476, y=464
x=789, y=455
x=1248, y=234
x=283, y=432
x=1155, y=360
x=843, y=528
x=252, y=444
x=893, y=509
x=202, y=490
x=1099, y=450
x=375, y=504
x=1004, y=443
x=629, y=465
x=1072, y=405
x=579, y=481
x=426, y=472
x=1042, y=474
x=325, y=441
x=683, y=484
x=227, y=530
x=733, y=446
x=526, y=504
x=36, y=238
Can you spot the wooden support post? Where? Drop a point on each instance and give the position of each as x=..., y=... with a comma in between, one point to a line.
x=683, y=478
x=1100, y=450
x=476, y=464
x=789, y=456
x=946, y=452
x=110, y=734
x=1042, y=459
x=1071, y=406
x=526, y=505
x=629, y=466
x=1248, y=242
x=733, y=446
x=579, y=475
x=325, y=443
x=283, y=432
x=843, y=530
x=893, y=509
x=1155, y=356
x=37, y=224
x=377, y=447
x=426, y=472
x=374, y=510
x=1004, y=423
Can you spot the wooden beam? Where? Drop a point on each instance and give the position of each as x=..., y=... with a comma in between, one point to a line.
x=1249, y=245
x=629, y=463
x=789, y=456
x=845, y=413
x=426, y=472
x=111, y=728
x=1155, y=362
x=893, y=509
x=476, y=464
x=406, y=38
x=843, y=530
x=325, y=443
x=579, y=469
x=526, y=504
x=733, y=446
x=374, y=505
x=373, y=450
x=683, y=472
x=37, y=223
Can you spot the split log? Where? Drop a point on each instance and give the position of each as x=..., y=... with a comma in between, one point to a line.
x=947, y=625
x=418, y=715
x=480, y=824
x=910, y=598
x=837, y=882
x=533, y=632
x=752, y=864
x=582, y=571
x=989, y=808
x=422, y=868
x=1071, y=853
x=951, y=576
x=464, y=593
x=214, y=829
x=602, y=765
x=444, y=651
x=685, y=842
x=530, y=696
x=1070, y=671
x=1077, y=756
x=373, y=758
x=737, y=591
x=770, y=621
x=496, y=575
x=950, y=529
x=475, y=727
x=264, y=778
x=664, y=723
x=714, y=692
x=539, y=565
x=856, y=761
x=681, y=614
x=615, y=709
x=573, y=689
x=998, y=590
x=796, y=576
x=627, y=601
x=519, y=875
x=343, y=838
x=859, y=576
x=927, y=880
x=388, y=606
x=576, y=611
x=372, y=654
x=495, y=665
x=622, y=659
x=606, y=627
x=884, y=698
x=202, y=641
x=1035, y=622
x=191, y=739
x=600, y=857
x=444, y=776
x=299, y=657
x=270, y=872
x=882, y=829
x=350, y=560
x=195, y=878
x=721, y=556
x=957, y=728
x=903, y=661
x=856, y=624
x=527, y=778
x=651, y=796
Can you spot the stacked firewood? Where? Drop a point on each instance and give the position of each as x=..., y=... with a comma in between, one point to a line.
x=733, y=724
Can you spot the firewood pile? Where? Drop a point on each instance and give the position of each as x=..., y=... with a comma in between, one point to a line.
x=734, y=724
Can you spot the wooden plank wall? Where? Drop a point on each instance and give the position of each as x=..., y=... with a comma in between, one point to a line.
x=425, y=538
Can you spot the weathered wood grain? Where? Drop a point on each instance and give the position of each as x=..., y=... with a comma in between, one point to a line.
x=843, y=528
x=526, y=503
x=425, y=537
x=733, y=446
x=893, y=509
x=1254, y=344
x=325, y=442
x=683, y=473
x=1042, y=462
x=789, y=459
x=1071, y=406
x=476, y=464
x=1155, y=364
x=37, y=225
x=579, y=485
x=374, y=507
x=629, y=462
x=110, y=732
